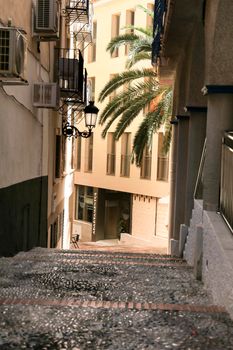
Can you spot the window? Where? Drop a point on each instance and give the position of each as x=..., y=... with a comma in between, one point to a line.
x=64, y=155
x=125, y=154
x=163, y=160
x=111, y=154
x=146, y=163
x=84, y=203
x=149, y=19
x=58, y=157
x=113, y=94
x=129, y=22
x=73, y=158
x=79, y=150
x=115, y=31
x=92, y=88
x=89, y=153
x=92, y=46
x=146, y=108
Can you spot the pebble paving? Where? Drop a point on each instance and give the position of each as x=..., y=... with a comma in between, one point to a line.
x=51, y=299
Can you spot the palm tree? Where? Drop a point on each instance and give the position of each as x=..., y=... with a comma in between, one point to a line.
x=141, y=91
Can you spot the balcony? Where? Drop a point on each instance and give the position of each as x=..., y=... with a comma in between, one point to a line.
x=77, y=11
x=71, y=76
x=162, y=170
x=111, y=160
x=146, y=167
x=159, y=11
x=226, y=187
x=125, y=165
x=83, y=31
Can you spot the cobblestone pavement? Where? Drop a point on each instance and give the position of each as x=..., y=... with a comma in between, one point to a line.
x=88, y=299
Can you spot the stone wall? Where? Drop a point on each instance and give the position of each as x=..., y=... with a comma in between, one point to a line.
x=217, y=262
x=196, y=219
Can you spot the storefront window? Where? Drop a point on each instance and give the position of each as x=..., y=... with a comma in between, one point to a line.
x=84, y=203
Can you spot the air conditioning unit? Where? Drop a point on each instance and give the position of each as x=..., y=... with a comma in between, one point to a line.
x=46, y=21
x=13, y=49
x=45, y=95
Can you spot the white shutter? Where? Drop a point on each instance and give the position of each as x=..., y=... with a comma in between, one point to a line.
x=45, y=95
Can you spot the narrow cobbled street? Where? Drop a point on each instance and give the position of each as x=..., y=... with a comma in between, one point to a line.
x=89, y=299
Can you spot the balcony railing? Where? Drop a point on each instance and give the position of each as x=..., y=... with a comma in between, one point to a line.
x=125, y=165
x=83, y=31
x=71, y=75
x=162, y=170
x=111, y=160
x=77, y=11
x=226, y=188
x=146, y=168
x=159, y=11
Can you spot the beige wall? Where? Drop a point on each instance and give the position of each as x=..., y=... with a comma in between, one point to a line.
x=143, y=211
x=143, y=218
x=28, y=134
x=26, y=156
x=101, y=70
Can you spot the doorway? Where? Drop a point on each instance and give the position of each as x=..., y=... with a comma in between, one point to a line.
x=111, y=219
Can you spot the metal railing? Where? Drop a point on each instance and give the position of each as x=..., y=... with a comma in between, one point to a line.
x=226, y=187
x=71, y=75
x=77, y=11
x=125, y=165
x=146, y=168
x=162, y=170
x=198, y=190
x=159, y=11
x=111, y=160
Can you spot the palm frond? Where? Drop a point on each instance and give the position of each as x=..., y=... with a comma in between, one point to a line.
x=142, y=138
x=144, y=31
x=137, y=58
x=167, y=139
x=111, y=107
x=128, y=111
x=116, y=106
x=143, y=45
x=124, y=39
x=124, y=97
x=146, y=10
x=141, y=89
x=151, y=123
x=131, y=112
x=125, y=77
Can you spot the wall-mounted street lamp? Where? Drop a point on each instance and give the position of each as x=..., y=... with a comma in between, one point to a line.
x=91, y=112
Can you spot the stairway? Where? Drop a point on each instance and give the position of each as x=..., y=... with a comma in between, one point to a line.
x=87, y=299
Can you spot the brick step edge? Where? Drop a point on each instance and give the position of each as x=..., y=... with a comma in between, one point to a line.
x=114, y=305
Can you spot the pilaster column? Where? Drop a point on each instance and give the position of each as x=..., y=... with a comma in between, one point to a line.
x=197, y=133
x=219, y=119
x=181, y=174
x=173, y=177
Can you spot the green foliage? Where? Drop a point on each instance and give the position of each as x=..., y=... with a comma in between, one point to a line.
x=140, y=90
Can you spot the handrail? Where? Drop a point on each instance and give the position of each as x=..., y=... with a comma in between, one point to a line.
x=226, y=185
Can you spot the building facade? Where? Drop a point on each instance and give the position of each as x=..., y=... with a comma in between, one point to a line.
x=114, y=199
x=39, y=88
x=196, y=51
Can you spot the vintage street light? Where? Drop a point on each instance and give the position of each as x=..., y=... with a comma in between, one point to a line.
x=90, y=112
